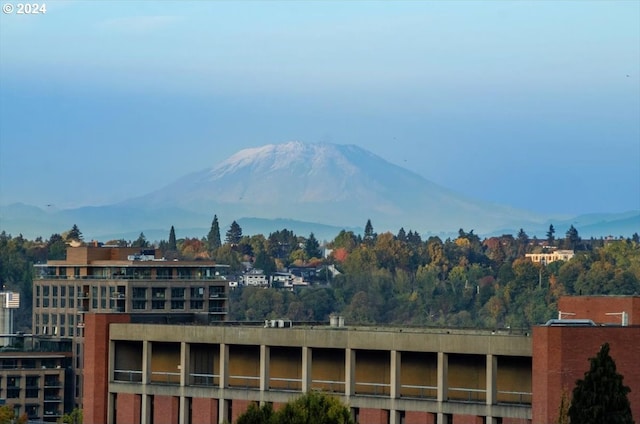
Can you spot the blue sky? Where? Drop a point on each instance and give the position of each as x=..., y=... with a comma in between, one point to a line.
x=529, y=104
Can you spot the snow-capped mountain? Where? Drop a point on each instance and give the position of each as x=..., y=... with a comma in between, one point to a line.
x=320, y=188
x=330, y=184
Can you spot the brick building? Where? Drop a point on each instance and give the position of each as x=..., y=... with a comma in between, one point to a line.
x=197, y=374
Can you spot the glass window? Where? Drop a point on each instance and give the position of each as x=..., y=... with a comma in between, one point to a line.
x=139, y=293
x=197, y=292
x=157, y=304
x=158, y=292
x=177, y=293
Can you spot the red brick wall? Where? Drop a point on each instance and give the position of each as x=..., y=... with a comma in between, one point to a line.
x=204, y=411
x=165, y=409
x=596, y=308
x=96, y=364
x=278, y=405
x=127, y=409
x=373, y=416
x=414, y=417
x=515, y=421
x=238, y=407
x=467, y=419
x=561, y=356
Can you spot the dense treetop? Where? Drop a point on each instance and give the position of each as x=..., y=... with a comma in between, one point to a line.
x=382, y=278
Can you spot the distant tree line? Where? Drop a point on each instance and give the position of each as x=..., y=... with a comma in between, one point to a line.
x=381, y=278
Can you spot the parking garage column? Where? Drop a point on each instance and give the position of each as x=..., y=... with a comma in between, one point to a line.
x=394, y=389
x=492, y=391
x=223, y=404
x=395, y=374
x=185, y=356
x=349, y=371
x=443, y=386
x=223, y=382
x=264, y=367
x=306, y=369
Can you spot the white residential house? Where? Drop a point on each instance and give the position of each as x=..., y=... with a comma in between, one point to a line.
x=256, y=278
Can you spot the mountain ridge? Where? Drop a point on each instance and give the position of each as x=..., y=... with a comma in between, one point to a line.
x=330, y=185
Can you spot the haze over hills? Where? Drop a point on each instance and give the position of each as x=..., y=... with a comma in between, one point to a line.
x=303, y=187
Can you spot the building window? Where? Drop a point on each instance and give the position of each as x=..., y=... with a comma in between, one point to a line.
x=197, y=292
x=158, y=292
x=139, y=292
x=216, y=291
x=31, y=410
x=177, y=304
x=197, y=304
x=177, y=293
x=139, y=304
x=157, y=304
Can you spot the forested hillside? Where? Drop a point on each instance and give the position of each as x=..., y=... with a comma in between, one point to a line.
x=387, y=278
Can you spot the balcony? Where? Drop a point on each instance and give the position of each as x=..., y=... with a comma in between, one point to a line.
x=130, y=376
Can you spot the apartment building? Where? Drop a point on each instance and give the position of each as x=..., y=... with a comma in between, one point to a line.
x=112, y=279
x=33, y=377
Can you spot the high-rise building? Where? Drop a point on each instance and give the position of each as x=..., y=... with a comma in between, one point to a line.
x=113, y=279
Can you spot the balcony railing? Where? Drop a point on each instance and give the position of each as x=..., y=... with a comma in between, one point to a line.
x=328, y=386
x=514, y=398
x=210, y=380
x=288, y=384
x=131, y=376
x=164, y=377
x=422, y=392
x=468, y=395
x=372, y=389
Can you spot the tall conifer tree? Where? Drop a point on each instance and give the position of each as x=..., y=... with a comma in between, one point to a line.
x=172, y=240
x=213, y=238
x=600, y=397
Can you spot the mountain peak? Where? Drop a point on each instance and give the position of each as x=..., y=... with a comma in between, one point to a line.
x=275, y=157
x=328, y=183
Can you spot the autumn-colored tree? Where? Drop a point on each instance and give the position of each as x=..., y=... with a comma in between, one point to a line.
x=8, y=416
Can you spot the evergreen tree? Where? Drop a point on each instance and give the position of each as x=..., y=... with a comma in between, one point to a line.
x=572, y=239
x=234, y=235
x=264, y=262
x=551, y=235
x=141, y=241
x=402, y=236
x=523, y=242
x=312, y=247
x=172, y=240
x=74, y=233
x=213, y=238
x=369, y=235
x=601, y=397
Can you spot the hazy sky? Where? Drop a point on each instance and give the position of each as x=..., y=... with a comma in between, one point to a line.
x=530, y=104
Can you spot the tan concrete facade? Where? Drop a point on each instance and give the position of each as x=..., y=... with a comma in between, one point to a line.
x=391, y=374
